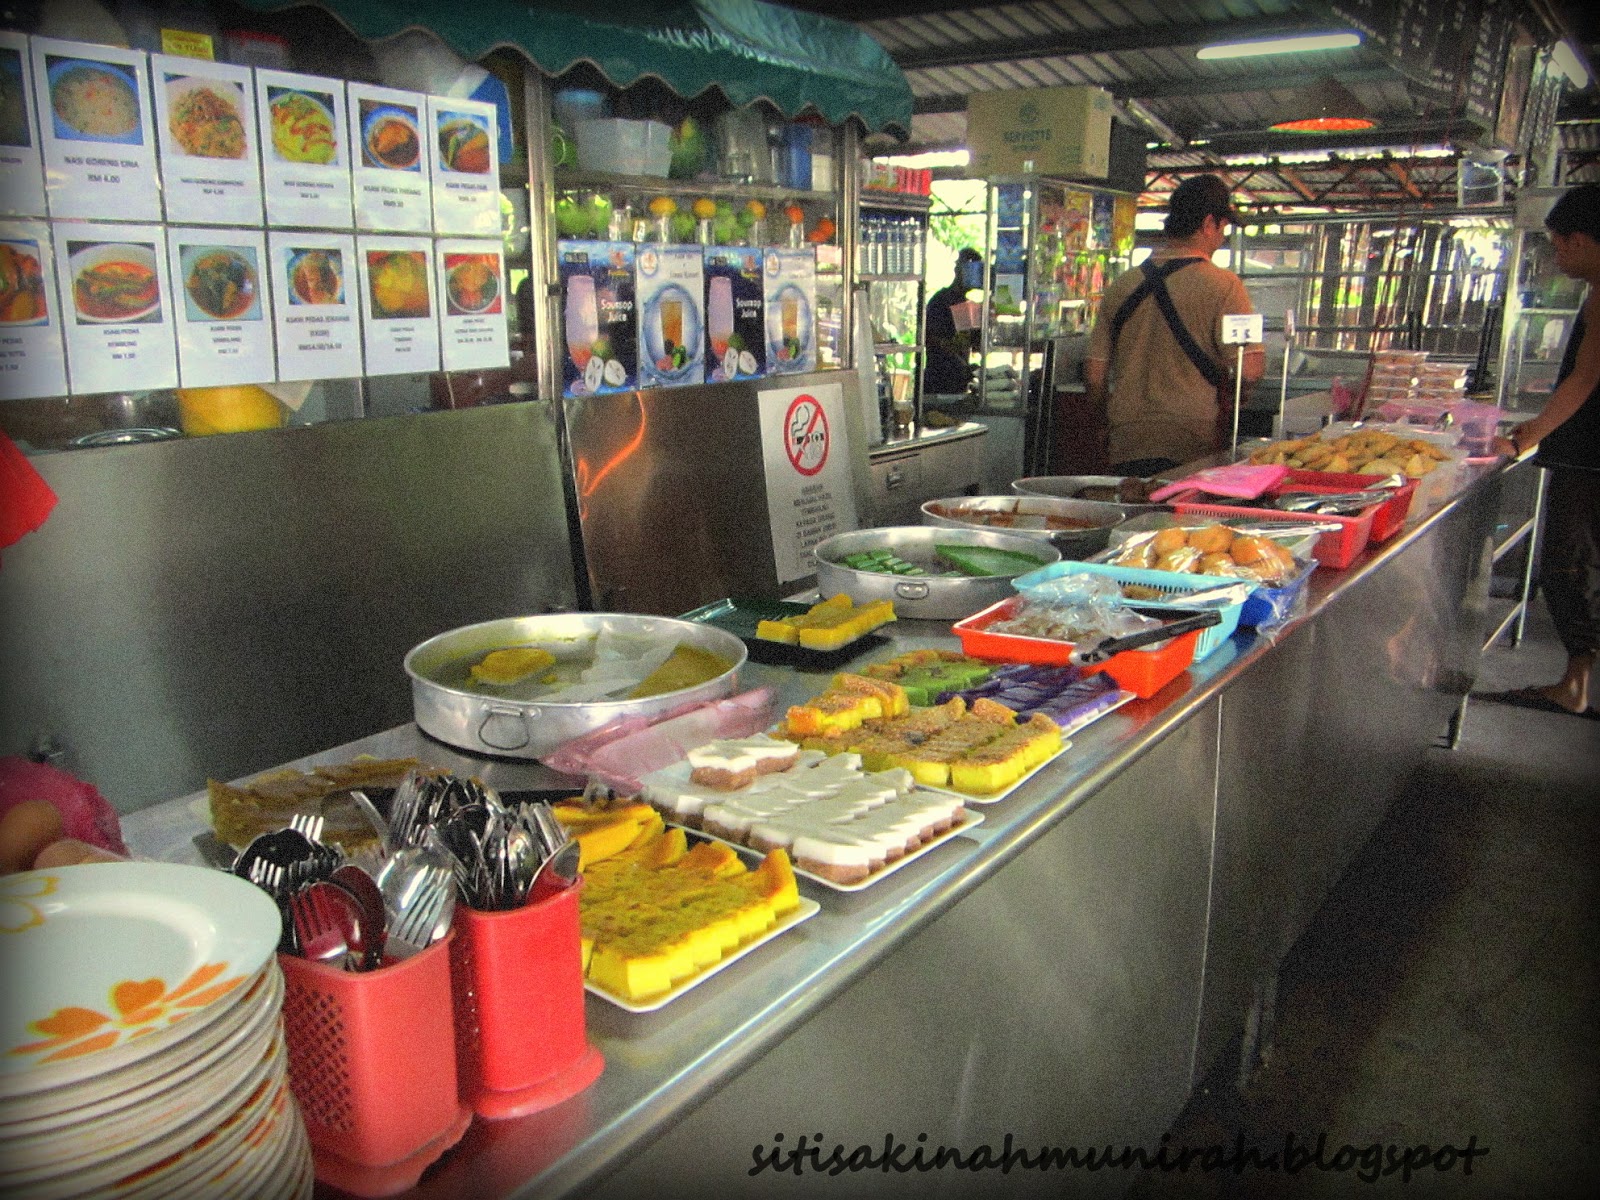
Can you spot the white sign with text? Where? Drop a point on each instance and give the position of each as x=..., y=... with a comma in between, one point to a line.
x=805, y=453
x=314, y=310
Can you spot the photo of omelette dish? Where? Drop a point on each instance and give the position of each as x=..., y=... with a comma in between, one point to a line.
x=302, y=126
x=398, y=284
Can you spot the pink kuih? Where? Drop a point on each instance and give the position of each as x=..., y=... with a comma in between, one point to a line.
x=372, y=1064
x=520, y=1034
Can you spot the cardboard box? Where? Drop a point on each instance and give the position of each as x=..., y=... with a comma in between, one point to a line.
x=1059, y=131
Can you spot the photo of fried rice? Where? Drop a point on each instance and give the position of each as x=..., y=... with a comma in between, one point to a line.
x=203, y=115
x=302, y=126
x=92, y=101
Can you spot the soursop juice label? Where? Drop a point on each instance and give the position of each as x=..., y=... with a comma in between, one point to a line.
x=598, y=317
x=671, y=320
x=790, y=288
x=736, y=340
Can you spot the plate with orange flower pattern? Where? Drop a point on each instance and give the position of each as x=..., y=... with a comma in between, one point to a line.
x=108, y=963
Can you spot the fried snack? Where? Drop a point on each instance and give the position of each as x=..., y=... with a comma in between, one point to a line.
x=268, y=802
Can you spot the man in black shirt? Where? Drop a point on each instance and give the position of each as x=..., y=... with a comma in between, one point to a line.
x=949, y=368
x=1567, y=432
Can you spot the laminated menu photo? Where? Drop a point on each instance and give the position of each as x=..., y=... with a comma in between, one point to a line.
x=206, y=127
x=305, y=157
x=116, y=301
x=670, y=287
x=472, y=304
x=399, y=324
x=316, y=321
x=736, y=340
x=598, y=317
x=21, y=165
x=96, y=130
x=391, y=160
x=32, y=361
x=466, y=168
x=223, y=314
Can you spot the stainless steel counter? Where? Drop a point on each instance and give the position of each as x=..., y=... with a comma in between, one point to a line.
x=1063, y=974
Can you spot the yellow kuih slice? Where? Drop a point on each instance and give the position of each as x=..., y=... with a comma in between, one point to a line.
x=828, y=624
x=501, y=668
x=602, y=833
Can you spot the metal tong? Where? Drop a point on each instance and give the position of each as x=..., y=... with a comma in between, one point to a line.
x=1106, y=647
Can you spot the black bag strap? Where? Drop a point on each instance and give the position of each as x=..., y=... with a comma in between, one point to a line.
x=1154, y=285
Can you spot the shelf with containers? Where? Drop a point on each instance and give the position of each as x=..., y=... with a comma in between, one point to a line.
x=891, y=252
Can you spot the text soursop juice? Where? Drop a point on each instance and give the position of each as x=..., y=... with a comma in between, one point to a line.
x=598, y=317
x=789, y=285
x=671, y=320
x=736, y=340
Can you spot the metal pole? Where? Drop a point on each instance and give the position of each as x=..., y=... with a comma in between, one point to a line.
x=1238, y=400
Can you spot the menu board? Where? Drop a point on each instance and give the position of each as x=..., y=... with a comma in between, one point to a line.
x=206, y=127
x=391, y=159
x=400, y=330
x=21, y=167
x=32, y=362
x=116, y=302
x=305, y=160
x=314, y=311
x=221, y=310
x=472, y=309
x=95, y=130
x=466, y=168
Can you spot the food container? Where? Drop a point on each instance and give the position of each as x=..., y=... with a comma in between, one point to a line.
x=621, y=147
x=473, y=720
x=1386, y=522
x=1337, y=548
x=1075, y=527
x=1072, y=487
x=927, y=597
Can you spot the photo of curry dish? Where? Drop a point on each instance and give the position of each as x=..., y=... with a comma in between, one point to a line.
x=302, y=126
x=398, y=280
x=95, y=101
x=316, y=277
x=472, y=283
x=112, y=283
x=220, y=282
x=22, y=299
x=464, y=145
x=391, y=138
x=204, y=117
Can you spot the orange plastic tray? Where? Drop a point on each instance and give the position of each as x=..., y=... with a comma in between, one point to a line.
x=1142, y=672
x=1336, y=549
x=1391, y=515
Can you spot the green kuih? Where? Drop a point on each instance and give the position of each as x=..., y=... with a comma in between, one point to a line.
x=987, y=560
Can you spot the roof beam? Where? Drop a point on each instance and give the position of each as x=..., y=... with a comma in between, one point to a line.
x=1150, y=89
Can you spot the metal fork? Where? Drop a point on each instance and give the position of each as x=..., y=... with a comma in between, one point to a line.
x=319, y=929
x=307, y=824
x=424, y=920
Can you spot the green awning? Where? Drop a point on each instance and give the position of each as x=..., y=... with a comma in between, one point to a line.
x=748, y=49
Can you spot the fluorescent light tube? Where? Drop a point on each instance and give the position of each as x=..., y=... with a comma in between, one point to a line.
x=1280, y=45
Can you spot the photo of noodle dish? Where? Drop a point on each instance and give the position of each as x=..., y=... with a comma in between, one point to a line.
x=94, y=101
x=472, y=284
x=389, y=137
x=204, y=117
x=114, y=283
x=316, y=276
x=220, y=283
x=303, y=129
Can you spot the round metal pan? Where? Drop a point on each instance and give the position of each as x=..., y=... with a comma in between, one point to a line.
x=480, y=722
x=930, y=597
x=1087, y=524
x=1069, y=487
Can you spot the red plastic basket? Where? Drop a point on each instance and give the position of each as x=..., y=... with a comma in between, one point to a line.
x=1391, y=514
x=1142, y=672
x=1336, y=549
x=372, y=1064
x=520, y=1031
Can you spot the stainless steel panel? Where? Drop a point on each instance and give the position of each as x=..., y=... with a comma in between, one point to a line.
x=671, y=492
x=214, y=606
x=903, y=479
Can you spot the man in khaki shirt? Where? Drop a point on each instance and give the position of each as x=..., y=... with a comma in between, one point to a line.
x=1157, y=341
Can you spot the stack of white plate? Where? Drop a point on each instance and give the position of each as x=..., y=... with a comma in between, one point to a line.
x=141, y=1038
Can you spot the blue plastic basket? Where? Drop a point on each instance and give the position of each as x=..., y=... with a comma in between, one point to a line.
x=1170, y=582
x=1269, y=606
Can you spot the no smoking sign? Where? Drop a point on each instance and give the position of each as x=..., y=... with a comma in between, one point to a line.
x=805, y=434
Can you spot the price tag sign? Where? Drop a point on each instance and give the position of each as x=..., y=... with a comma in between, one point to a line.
x=224, y=316
x=116, y=301
x=305, y=157
x=390, y=159
x=1241, y=329
x=21, y=167
x=32, y=362
x=206, y=121
x=472, y=304
x=96, y=130
x=314, y=309
x=400, y=322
